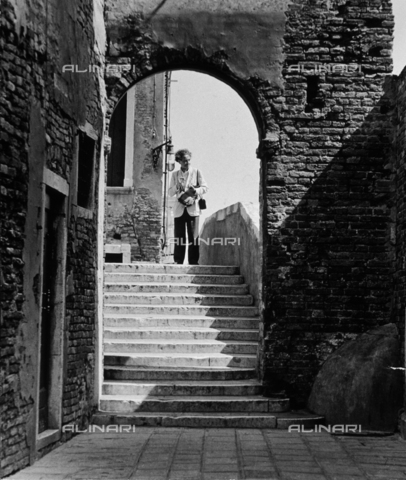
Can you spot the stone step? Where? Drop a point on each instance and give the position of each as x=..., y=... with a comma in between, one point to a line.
x=176, y=299
x=172, y=278
x=206, y=420
x=183, y=388
x=144, y=403
x=193, y=310
x=156, y=333
x=184, y=288
x=180, y=360
x=171, y=269
x=175, y=374
x=181, y=346
x=179, y=321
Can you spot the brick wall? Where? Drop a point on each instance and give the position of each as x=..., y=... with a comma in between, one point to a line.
x=399, y=153
x=328, y=213
x=41, y=109
x=136, y=216
x=136, y=219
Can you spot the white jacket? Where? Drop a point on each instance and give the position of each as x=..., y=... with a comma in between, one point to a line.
x=193, y=179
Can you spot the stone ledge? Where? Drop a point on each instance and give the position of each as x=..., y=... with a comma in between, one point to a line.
x=249, y=212
x=119, y=190
x=84, y=212
x=46, y=438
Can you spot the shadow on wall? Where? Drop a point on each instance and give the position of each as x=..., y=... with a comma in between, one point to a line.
x=329, y=259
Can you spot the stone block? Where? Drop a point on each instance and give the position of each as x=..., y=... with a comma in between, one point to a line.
x=356, y=385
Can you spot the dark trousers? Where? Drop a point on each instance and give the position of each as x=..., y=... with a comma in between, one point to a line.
x=191, y=224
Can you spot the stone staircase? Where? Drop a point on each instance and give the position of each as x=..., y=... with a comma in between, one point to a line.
x=180, y=350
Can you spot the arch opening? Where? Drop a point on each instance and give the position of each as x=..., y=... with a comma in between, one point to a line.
x=146, y=230
x=246, y=90
x=196, y=111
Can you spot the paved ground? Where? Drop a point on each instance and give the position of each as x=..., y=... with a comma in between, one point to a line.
x=227, y=454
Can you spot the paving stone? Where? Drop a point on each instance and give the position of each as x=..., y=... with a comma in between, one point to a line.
x=220, y=476
x=221, y=467
x=299, y=452
x=299, y=469
x=257, y=465
x=210, y=461
x=256, y=459
x=163, y=458
x=303, y=476
x=259, y=473
x=148, y=476
x=185, y=466
x=151, y=471
x=332, y=463
x=342, y=469
x=187, y=458
x=346, y=477
x=385, y=475
x=187, y=476
x=287, y=457
x=40, y=476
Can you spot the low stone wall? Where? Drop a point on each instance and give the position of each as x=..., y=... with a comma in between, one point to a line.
x=231, y=237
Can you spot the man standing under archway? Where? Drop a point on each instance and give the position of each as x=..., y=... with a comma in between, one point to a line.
x=188, y=185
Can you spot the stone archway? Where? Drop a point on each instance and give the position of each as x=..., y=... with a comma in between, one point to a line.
x=120, y=77
x=309, y=151
x=127, y=81
x=143, y=43
x=122, y=72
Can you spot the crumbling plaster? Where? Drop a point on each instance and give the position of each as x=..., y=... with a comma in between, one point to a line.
x=246, y=33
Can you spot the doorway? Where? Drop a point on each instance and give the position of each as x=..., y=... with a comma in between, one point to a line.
x=52, y=305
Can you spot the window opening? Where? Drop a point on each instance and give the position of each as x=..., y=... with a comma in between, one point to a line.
x=314, y=98
x=85, y=175
x=117, y=131
x=113, y=258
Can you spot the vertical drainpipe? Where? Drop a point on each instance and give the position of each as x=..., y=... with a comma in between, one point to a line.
x=165, y=170
x=100, y=266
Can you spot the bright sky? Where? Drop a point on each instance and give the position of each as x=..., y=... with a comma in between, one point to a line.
x=399, y=50
x=213, y=122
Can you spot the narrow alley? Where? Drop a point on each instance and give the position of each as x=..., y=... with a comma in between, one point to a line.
x=130, y=350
